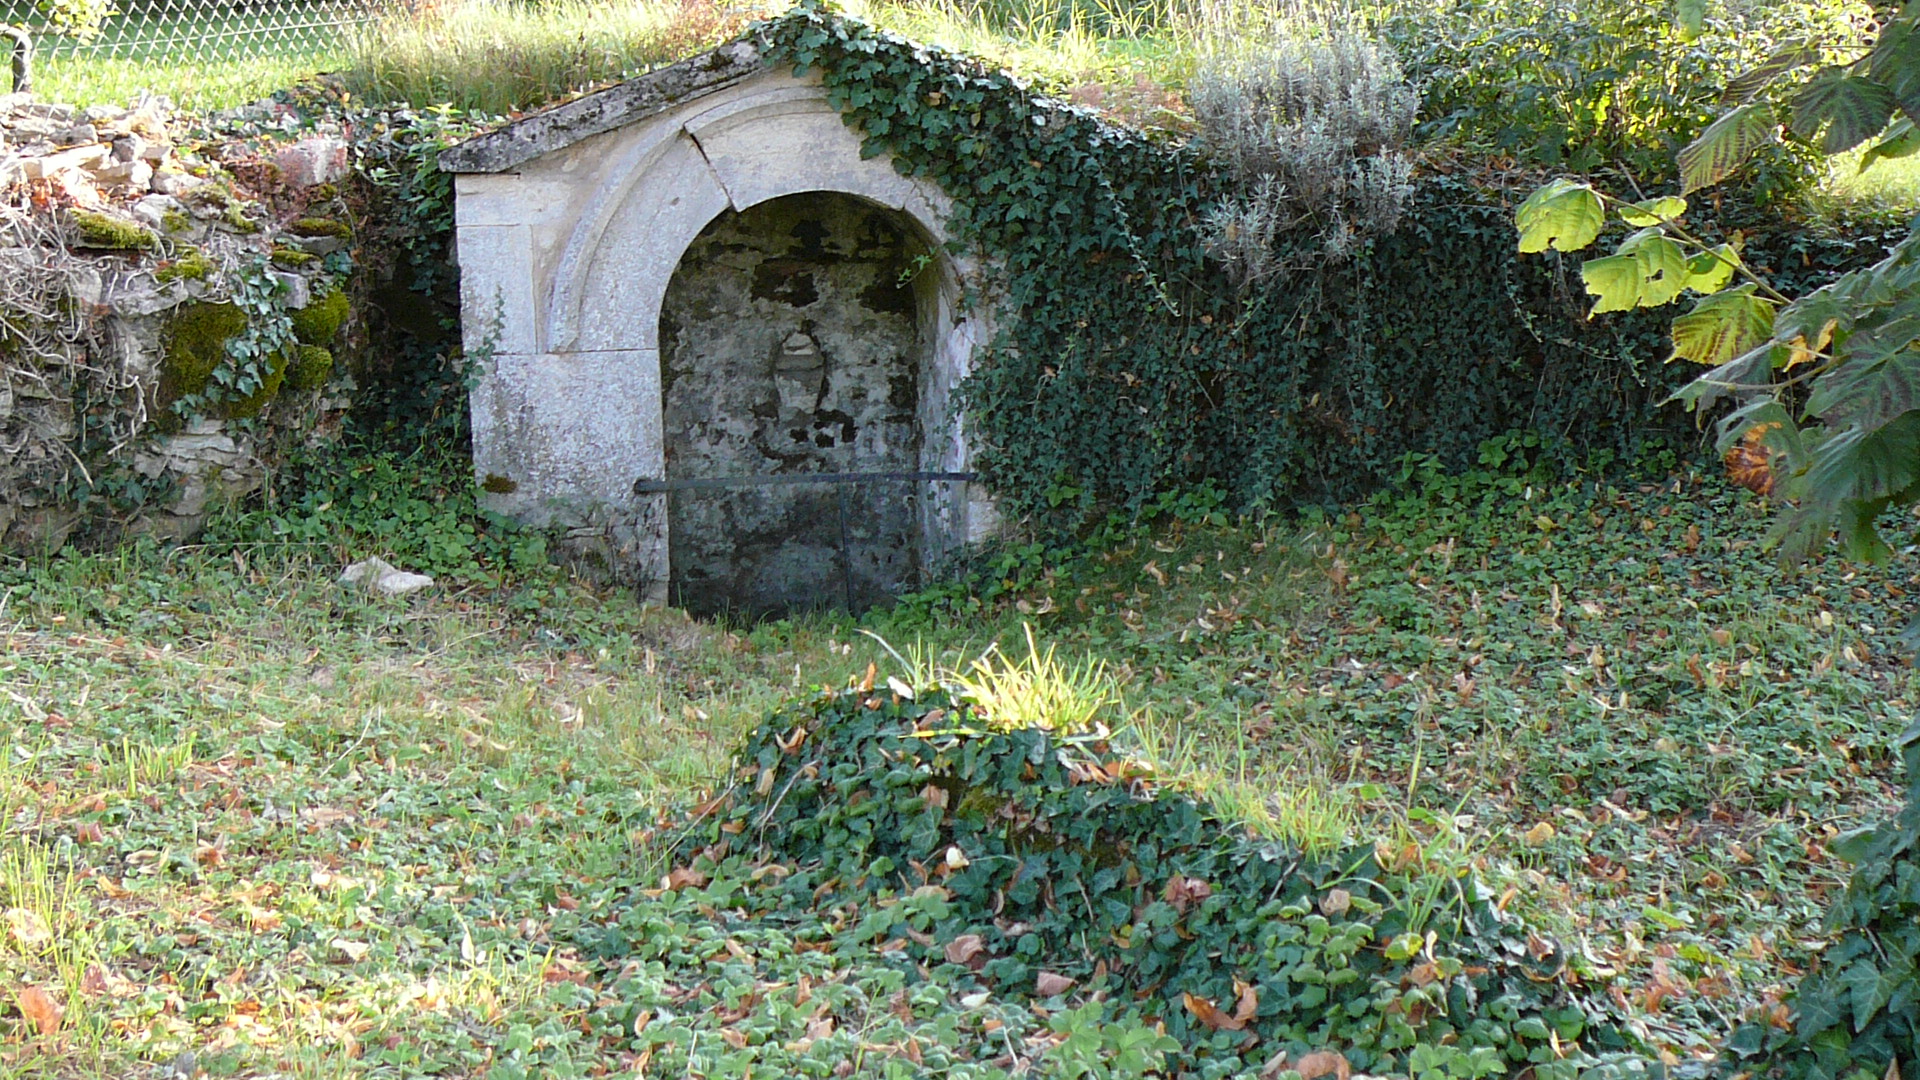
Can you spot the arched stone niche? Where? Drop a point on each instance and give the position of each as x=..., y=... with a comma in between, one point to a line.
x=571, y=226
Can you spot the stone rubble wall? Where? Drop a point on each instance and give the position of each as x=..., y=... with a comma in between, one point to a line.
x=121, y=251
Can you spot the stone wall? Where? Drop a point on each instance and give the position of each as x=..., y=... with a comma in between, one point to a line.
x=129, y=267
x=789, y=346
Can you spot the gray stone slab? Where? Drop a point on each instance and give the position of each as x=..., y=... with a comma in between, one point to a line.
x=603, y=110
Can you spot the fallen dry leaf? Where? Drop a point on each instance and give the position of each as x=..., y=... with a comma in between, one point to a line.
x=1209, y=1014
x=1323, y=1063
x=963, y=949
x=1539, y=834
x=28, y=927
x=1049, y=983
x=40, y=1009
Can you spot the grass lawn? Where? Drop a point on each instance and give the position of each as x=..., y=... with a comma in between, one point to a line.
x=288, y=828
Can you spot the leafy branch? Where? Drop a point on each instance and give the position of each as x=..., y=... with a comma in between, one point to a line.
x=1827, y=386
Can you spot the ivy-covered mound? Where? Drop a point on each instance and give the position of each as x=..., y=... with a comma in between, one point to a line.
x=1036, y=864
x=1130, y=362
x=1858, y=1014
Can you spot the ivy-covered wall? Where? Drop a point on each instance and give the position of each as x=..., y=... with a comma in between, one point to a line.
x=1130, y=363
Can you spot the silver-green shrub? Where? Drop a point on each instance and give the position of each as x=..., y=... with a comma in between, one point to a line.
x=1310, y=117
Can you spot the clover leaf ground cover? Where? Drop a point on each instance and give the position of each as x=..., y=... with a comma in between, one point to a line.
x=293, y=830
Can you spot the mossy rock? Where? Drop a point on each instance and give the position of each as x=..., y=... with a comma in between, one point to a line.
x=315, y=226
x=310, y=369
x=173, y=221
x=293, y=258
x=237, y=219
x=320, y=320
x=193, y=265
x=105, y=231
x=196, y=343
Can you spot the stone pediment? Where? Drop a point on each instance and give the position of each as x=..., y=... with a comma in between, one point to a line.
x=561, y=126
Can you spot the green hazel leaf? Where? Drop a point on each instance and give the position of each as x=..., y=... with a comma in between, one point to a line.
x=1662, y=265
x=1839, y=111
x=1653, y=211
x=1901, y=140
x=1725, y=146
x=1744, y=86
x=1723, y=326
x=1895, y=63
x=1562, y=215
x=1855, y=467
x=1712, y=270
x=1690, y=16
x=1614, y=281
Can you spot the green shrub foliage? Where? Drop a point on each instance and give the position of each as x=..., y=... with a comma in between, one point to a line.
x=1128, y=363
x=1860, y=1010
x=1015, y=853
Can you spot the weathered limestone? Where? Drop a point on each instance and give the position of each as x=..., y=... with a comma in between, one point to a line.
x=571, y=226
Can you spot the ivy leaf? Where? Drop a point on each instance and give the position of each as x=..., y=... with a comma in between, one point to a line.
x=1901, y=140
x=1653, y=211
x=1614, y=281
x=1869, y=989
x=1711, y=271
x=1725, y=146
x=1723, y=326
x=1562, y=215
x=1839, y=110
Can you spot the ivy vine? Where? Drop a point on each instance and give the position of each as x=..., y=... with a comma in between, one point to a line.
x=1128, y=364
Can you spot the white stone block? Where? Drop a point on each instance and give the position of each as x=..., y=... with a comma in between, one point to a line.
x=497, y=304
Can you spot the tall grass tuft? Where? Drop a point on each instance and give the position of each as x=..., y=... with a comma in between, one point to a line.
x=504, y=56
x=1037, y=690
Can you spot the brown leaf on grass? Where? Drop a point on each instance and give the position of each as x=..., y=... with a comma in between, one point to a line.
x=1336, y=903
x=100, y=979
x=28, y=927
x=1893, y=1070
x=40, y=1009
x=1247, y=1003
x=1323, y=1063
x=965, y=949
x=1049, y=983
x=684, y=877
x=88, y=832
x=1210, y=1014
x=1184, y=892
x=866, y=684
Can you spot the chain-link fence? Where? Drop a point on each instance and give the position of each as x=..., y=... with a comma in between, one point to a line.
x=199, y=52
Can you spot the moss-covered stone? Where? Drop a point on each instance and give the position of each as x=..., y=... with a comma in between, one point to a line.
x=173, y=221
x=192, y=265
x=293, y=257
x=97, y=230
x=196, y=342
x=320, y=320
x=315, y=226
x=237, y=219
x=310, y=369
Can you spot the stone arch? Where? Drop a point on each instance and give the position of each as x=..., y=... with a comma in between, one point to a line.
x=571, y=224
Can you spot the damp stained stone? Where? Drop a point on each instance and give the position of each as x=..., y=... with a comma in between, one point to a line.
x=785, y=350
